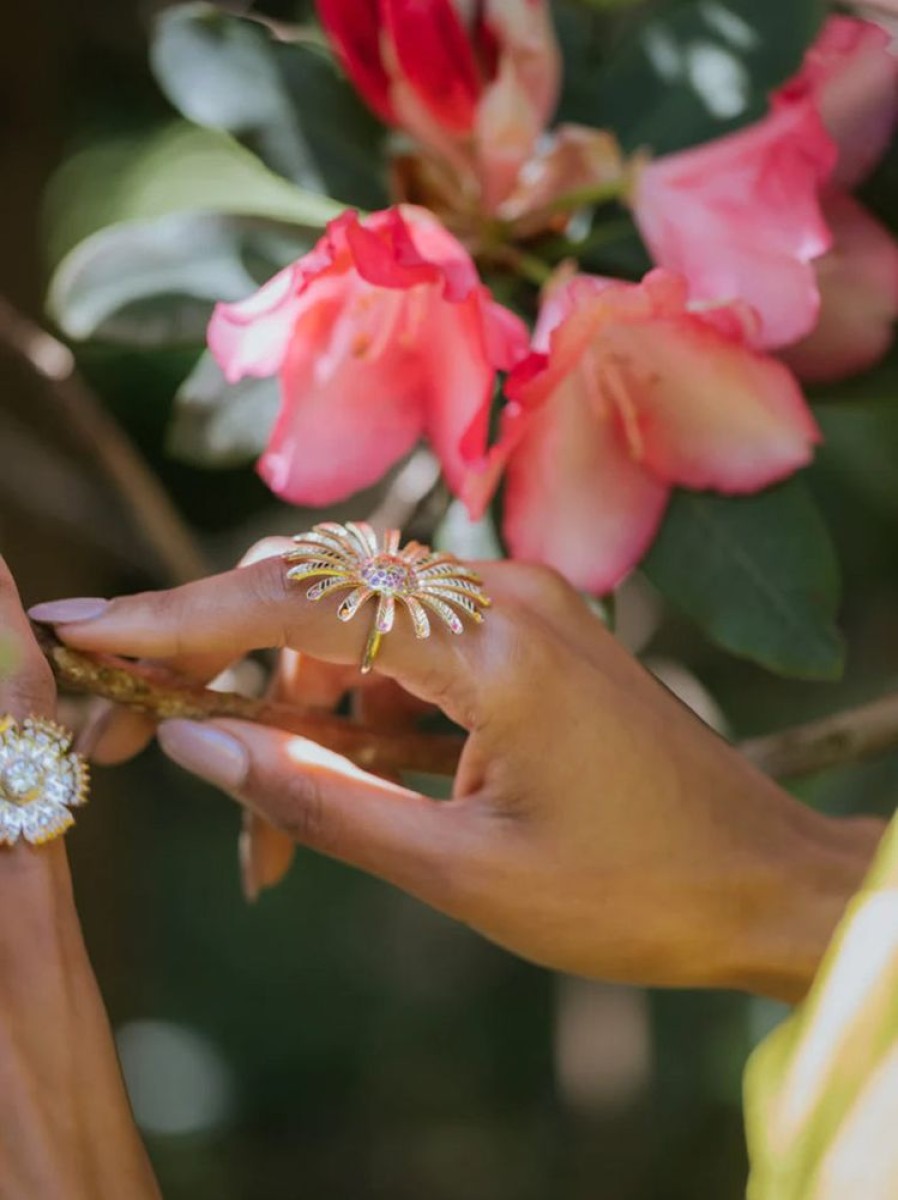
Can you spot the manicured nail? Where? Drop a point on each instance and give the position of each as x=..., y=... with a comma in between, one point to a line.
x=205, y=751
x=66, y=612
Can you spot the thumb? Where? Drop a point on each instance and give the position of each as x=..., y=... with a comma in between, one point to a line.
x=324, y=801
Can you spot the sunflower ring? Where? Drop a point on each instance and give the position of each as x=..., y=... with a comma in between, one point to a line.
x=41, y=779
x=424, y=581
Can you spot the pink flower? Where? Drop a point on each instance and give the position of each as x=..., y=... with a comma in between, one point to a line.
x=477, y=92
x=740, y=218
x=629, y=392
x=858, y=282
x=380, y=335
x=850, y=74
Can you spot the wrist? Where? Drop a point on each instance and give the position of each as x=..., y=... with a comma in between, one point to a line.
x=786, y=906
x=60, y=1076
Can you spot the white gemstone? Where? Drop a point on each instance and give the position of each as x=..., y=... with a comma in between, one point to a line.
x=20, y=777
x=58, y=789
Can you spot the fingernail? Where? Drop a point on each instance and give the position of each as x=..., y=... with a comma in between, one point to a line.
x=65, y=612
x=206, y=751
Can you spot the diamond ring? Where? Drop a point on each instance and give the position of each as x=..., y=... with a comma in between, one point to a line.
x=41, y=779
x=422, y=580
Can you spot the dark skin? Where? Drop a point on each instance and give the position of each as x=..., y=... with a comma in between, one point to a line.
x=596, y=826
x=60, y=1083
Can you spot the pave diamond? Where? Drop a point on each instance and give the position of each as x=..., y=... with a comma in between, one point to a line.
x=40, y=779
x=21, y=779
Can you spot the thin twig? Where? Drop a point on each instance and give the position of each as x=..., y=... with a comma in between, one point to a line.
x=81, y=413
x=835, y=741
x=164, y=694
x=847, y=737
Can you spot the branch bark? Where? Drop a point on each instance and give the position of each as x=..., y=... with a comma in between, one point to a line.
x=846, y=737
x=163, y=694
x=835, y=741
x=100, y=436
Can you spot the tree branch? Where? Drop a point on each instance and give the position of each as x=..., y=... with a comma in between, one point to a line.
x=163, y=694
x=846, y=737
x=835, y=741
x=100, y=436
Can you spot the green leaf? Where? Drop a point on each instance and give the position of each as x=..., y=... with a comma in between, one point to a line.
x=221, y=424
x=154, y=282
x=757, y=573
x=687, y=71
x=286, y=100
x=180, y=168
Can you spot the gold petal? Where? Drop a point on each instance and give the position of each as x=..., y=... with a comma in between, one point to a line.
x=448, y=568
x=325, y=540
x=386, y=612
x=464, y=602
x=419, y=617
x=462, y=586
x=306, y=570
x=365, y=536
x=354, y=602
x=315, y=555
x=392, y=541
x=340, y=534
x=324, y=586
x=452, y=619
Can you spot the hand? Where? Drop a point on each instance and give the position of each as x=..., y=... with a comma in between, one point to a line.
x=596, y=825
x=65, y=1124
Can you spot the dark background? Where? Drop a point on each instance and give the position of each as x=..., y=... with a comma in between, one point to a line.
x=338, y=1040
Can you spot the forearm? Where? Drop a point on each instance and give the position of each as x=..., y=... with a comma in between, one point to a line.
x=65, y=1125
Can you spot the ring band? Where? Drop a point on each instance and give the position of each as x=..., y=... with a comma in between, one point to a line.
x=41, y=779
x=425, y=581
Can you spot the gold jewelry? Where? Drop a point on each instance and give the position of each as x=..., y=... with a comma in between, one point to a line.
x=350, y=556
x=41, y=778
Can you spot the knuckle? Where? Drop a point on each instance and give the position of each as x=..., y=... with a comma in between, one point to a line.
x=523, y=647
x=269, y=589
x=540, y=586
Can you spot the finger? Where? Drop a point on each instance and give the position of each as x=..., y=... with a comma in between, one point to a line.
x=265, y=855
x=27, y=687
x=116, y=734
x=257, y=607
x=323, y=801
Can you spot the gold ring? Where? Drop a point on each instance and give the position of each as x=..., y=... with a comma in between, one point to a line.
x=351, y=556
x=41, y=779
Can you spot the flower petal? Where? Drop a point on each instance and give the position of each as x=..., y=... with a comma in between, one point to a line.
x=431, y=52
x=351, y=401
x=710, y=412
x=574, y=498
x=461, y=347
x=353, y=27
x=251, y=336
x=851, y=74
x=858, y=282
x=740, y=217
